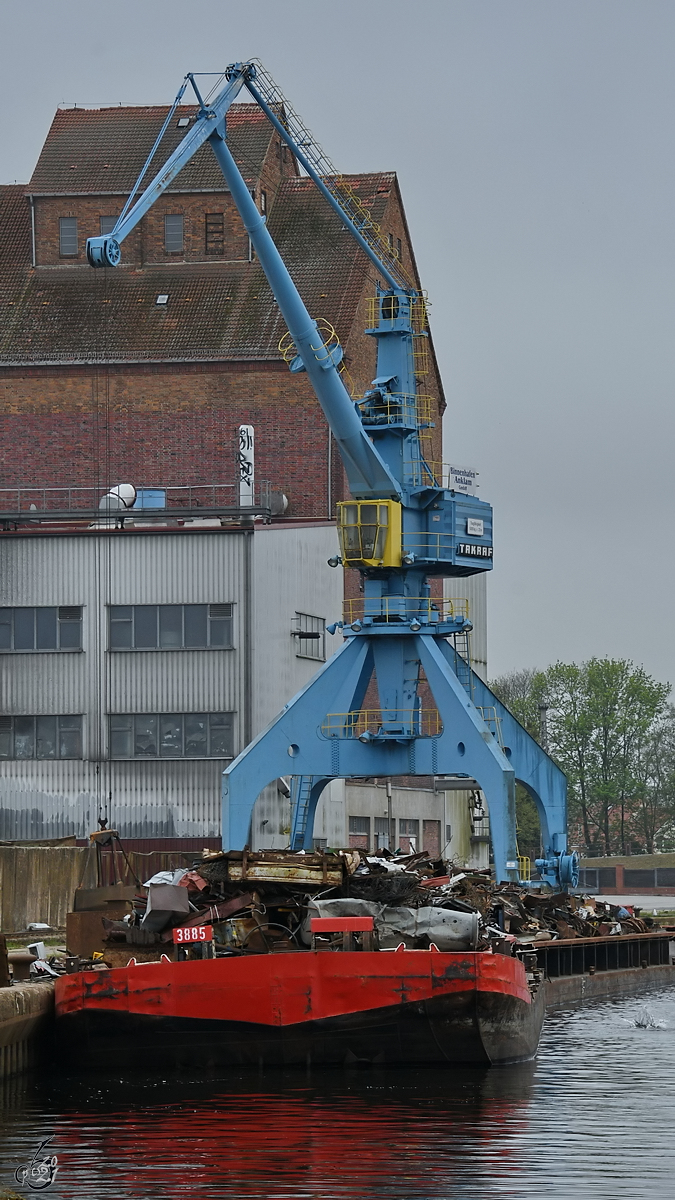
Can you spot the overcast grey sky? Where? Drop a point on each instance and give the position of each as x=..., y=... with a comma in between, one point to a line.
x=533, y=141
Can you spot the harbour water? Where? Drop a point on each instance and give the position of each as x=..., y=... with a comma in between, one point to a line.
x=592, y=1116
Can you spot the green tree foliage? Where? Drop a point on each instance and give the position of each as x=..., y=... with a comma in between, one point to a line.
x=527, y=825
x=610, y=728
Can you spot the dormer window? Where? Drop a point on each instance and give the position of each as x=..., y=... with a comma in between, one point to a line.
x=173, y=233
x=68, y=237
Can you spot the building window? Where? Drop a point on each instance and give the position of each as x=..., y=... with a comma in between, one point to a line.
x=106, y=224
x=170, y=626
x=399, y=253
x=68, y=237
x=384, y=834
x=310, y=635
x=41, y=628
x=215, y=233
x=408, y=835
x=320, y=843
x=173, y=233
x=172, y=735
x=41, y=737
x=359, y=832
x=263, y=202
x=391, y=242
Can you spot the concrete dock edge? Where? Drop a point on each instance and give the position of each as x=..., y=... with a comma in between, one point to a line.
x=26, y=1018
x=573, y=989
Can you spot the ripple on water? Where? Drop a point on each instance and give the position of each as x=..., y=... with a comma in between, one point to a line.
x=593, y=1115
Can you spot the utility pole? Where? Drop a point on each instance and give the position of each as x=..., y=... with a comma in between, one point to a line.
x=543, y=727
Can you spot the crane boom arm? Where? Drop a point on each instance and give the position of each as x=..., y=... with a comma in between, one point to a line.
x=104, y=251
x=368, y=475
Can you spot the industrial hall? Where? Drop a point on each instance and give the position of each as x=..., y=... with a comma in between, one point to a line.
x=163, y=593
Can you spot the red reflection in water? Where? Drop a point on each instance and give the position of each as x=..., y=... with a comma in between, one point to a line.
x=295, y=1147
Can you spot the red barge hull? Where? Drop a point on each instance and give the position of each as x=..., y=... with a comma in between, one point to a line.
x=406, y=1006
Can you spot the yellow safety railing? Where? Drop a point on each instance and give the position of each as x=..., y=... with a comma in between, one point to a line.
x=356, y=209
x=425, y=472
x=425, y=722
x=392, y=609
x=388, y=408
x=524, y=868
x=288, y=351
x=387, y=314
x=430, y=470
x=493, y=721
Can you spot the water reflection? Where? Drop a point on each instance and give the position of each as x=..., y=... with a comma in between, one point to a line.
x=572, y=1120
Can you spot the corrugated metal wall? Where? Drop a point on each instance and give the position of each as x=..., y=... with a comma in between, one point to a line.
x=290, y=574
x=473, y=589
x=267, y=576
x=37, y=883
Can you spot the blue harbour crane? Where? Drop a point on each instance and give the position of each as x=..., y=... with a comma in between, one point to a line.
x=401, y=529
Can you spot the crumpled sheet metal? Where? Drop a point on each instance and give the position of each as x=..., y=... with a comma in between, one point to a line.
x=448, y=929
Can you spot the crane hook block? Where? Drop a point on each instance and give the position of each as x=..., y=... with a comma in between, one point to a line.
x=103, y=251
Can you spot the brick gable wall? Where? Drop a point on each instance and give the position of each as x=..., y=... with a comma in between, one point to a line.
x=175, y=422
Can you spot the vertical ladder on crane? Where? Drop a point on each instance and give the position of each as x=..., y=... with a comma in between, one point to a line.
x=462, y=646
x=301, y=790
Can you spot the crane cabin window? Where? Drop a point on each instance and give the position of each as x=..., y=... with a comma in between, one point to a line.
x=68, y=237
x=215, y=233
x=173, y=233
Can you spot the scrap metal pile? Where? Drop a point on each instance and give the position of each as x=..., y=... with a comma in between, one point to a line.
x=263, y=902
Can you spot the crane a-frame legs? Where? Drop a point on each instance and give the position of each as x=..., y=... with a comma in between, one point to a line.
x=315, y=735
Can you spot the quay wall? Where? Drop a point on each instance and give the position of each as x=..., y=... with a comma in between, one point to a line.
x=573, y=989
x=26, y=1017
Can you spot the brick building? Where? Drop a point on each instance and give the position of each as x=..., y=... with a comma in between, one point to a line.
x=101, y=383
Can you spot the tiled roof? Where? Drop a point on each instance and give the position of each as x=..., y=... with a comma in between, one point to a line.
x=214, y=311
x=15, y=248
x=102, y=150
